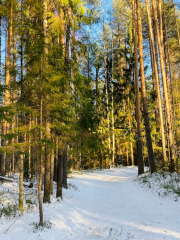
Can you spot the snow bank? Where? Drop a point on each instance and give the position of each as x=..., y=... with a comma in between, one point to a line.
x=161, y=184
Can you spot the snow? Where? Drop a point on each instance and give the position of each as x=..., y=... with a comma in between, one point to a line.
x=105, y=204
x=162, y=184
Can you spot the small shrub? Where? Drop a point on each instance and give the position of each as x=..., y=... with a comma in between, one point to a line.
x=9, y=211
x=47, y=224
x=70, y=185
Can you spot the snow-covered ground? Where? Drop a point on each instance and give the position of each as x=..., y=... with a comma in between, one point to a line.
x=161, y=184
x=106, y=204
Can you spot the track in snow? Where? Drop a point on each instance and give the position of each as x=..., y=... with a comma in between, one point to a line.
x=105, y=205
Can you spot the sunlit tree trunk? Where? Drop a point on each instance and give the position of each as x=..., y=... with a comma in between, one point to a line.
x=158, y=91
x=112, y=112
x=41, y=155
x=166, y=97
x=143, y=89
x=47, y=118
x=14, y=92
x=22, y=137
x=177, y=29
x=138, y=116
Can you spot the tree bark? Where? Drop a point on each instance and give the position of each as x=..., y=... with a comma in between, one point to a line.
x=59, y=175
x=47, y=177
x=143, y=89
x=64, y=182
x=155, y=63
x=138, y=117
x=21, y=163
x=177, y=29
x=41, y=157
x=166, y=97
x=52, y=171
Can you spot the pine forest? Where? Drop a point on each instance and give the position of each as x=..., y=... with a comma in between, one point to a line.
x=86, y=87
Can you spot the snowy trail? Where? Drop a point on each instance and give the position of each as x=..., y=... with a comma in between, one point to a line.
x=106, y=205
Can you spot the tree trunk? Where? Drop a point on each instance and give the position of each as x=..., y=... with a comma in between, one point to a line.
x=52, y=171
x=166, y=97
x=138, y=116
x=127, y=154
x=143, y=89
x=14, y=94
x=132, y=154
x=59, y=175
x=41, y=159
x=158, y=91
x=47, y=177
x=64, y=182
x=68, y=32
x=21, y=163
x=177, y=29
x=112, y=112
x=61, y=39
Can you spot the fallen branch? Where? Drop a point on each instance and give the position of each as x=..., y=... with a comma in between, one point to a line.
x=11, y=225
x=28, y=185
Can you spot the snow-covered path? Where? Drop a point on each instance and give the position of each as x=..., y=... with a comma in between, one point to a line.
x=106, y=205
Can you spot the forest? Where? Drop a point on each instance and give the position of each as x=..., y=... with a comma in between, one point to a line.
x=87, y=84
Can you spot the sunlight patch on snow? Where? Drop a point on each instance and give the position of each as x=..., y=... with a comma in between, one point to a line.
x=153, y=229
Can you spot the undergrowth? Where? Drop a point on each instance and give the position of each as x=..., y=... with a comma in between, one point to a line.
x=37, y=227
x=164, y=184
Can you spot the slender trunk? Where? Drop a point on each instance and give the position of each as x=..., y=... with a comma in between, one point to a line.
x=167, y=73
x=29, y=148
x=132, y=154
x=177, y=29
x=61, y=39
x=56, y=160
x=158, y=91
x=107, y=107
x=21, y=156
x=143, y=89
x=47, y=119
x=113, y=134
x=153, y=78
x=59, y=175
x=68, y=32
x=138, y=116
x=171, y=87
x=8, y=60
x=130, y=128
x=52, y=171
x=64, y=181
x=47, y=177
x=41, y=158
x=127, y=154
x=166, y=97
x=21, y=164
x=14, y=94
